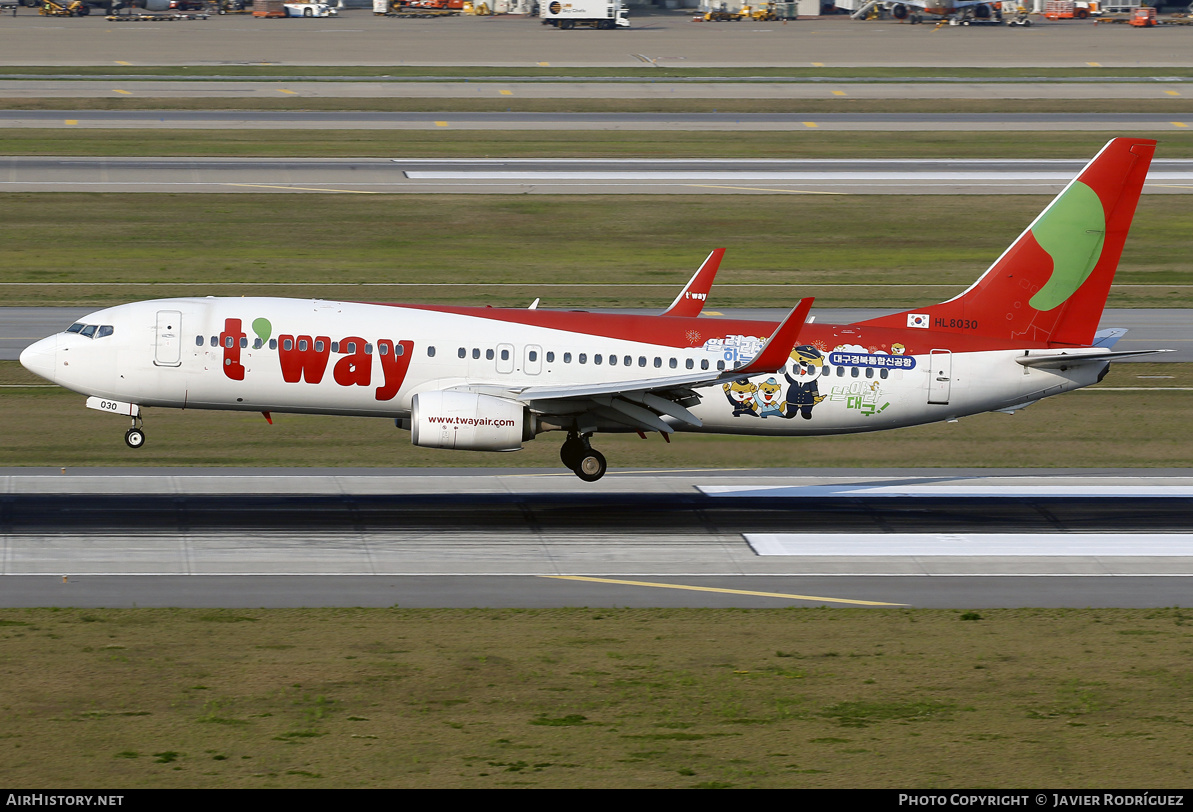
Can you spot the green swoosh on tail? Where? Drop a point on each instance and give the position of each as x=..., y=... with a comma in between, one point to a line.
x=1071, y=231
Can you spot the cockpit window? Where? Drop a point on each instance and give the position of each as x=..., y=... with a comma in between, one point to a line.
x=104, y=330
x=89, y=330
x=76, y=327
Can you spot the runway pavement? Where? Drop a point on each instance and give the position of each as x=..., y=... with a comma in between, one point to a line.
x=521, y=538
x=559, y=176
x=1149, y=329
x=795, y=121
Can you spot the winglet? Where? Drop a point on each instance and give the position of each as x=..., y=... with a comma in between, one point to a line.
x=777, y=349
x=691, y=299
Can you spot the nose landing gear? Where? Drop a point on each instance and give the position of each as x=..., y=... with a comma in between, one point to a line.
x=587, y=463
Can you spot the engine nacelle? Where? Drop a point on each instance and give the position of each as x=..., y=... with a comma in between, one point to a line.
x=469, y=422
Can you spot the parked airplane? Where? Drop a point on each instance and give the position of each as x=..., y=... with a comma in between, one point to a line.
x=913, y=9
x=490, y=379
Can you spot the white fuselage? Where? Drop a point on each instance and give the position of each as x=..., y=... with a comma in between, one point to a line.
x=288, y=355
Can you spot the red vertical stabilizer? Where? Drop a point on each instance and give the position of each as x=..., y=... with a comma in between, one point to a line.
x=1051, y=285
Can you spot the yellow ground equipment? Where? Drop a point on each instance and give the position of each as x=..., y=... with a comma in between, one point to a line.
x=51, y=8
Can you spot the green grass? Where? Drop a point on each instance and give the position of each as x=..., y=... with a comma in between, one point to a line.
x=448, y=143
x=1175, y=106
x=108, y=248
x=1138, y=428
x=792, y=698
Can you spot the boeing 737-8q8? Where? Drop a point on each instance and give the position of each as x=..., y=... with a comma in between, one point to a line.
x=490, y=379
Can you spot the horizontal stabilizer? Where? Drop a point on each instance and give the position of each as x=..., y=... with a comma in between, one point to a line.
x=1068, y=360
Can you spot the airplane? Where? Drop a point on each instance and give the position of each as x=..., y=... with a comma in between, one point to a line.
x=491, y=379
x=961, y=9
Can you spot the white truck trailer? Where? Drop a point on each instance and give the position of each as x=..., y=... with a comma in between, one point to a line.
x=603, y=14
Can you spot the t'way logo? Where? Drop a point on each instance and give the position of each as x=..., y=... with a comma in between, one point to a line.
x=305, y=359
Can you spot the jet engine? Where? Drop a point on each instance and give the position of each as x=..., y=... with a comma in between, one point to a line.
x=469, y=422
x=899, y=12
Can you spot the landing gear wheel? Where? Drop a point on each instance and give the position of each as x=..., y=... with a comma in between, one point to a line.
x=571, y=452
x=592, y=466
x=134, y=438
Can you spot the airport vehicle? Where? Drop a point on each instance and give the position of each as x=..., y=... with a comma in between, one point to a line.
x=1143, y=18
x=490, y=379
x=78, y=8
x=310, y=10
x=603, y=14
x=1070, y=10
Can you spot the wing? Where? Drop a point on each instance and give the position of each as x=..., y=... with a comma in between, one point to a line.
x=646, y=404
x=691, y=299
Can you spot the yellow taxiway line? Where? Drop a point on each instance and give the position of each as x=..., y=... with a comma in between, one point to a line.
x=719, y=589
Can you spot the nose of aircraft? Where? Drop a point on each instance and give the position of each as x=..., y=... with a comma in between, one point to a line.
x=38, y=357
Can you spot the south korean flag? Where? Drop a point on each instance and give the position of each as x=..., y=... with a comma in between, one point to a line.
x=917, y=320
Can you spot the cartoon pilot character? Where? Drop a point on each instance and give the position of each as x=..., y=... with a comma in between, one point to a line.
x=740, y=394
x=898, y=349
x=769, y=397
x=802, y=371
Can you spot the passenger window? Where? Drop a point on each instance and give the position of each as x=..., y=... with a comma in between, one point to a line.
x=641, y=360
x=335, y=346
x=882, y=373
x=89, y=330
x=840, y=372
x=488, y=355
x=626, y=361
x=689, y=364
x=550, y=357
x=198, y=341
x=612, y=360
x=399, y=349
x=505, y=355
x=228, y=342
x=673, y=363
x=351, y=345
x=869, y=372
x=302, y=345
x=704, y=363
x=462, y=353
x=383, y=349
x=567, y=357
x=256, y=343
x=215, y=342
x=368, y=349
x=853, y=373
x=244, y=342
x=596, y=359
x=658, y=362
x=430, y=352
x=532, y=355
x=288, y=344
x=583, y=358
x=476, y=354
x=77, y=327
x=273, y=343
x=319, y=346
x=721, y=366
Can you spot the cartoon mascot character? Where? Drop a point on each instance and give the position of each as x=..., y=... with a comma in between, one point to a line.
x=741, y=394
x=802, y=371
x=770, y=398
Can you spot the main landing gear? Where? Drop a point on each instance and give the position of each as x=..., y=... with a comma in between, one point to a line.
x=135, y=437
x=587, y=463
